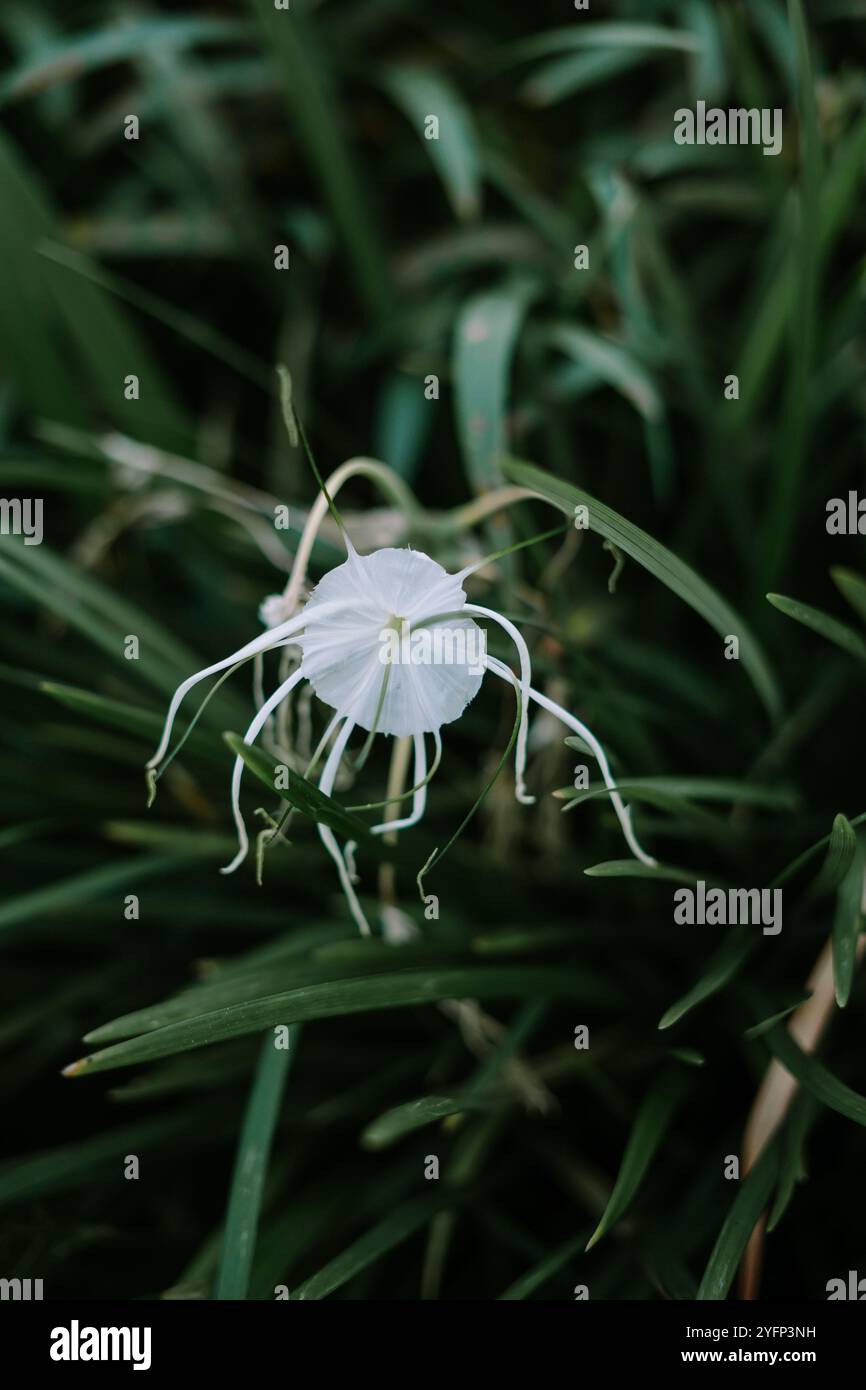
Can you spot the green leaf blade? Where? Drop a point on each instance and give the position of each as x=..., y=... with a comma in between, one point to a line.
x=679, y=577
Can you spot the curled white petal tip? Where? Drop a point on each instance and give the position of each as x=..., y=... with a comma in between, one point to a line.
x=252, y=733
x=327, y=836
x=264, y=642
x=236, y=862
x=572, y=722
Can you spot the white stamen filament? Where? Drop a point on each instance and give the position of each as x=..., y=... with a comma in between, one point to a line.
x=323, y=743
x=419, y=799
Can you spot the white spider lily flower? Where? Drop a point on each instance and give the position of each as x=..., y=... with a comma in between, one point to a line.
x=344, y=632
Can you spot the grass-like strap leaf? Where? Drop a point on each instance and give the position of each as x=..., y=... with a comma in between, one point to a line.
x=420, y=93
x=384, y=955
x=251, y=1161
x=611, y=363
x=633, y=868
x=198, y=331
x=311, y=96
x=750, y=1201
x=337, y=998
x=815, y=1077
x=840, y=855
x=392, y=1231
x=677, y=792
x=610, y=34
x=538, y=1276
x=519, y=941
x=562, y=77
x=520, y=1029
x=53, y=311
x=69, y=1166
x=168, y=834
x=97, y=612
x=792, y=1154
x=721, y=968
x=650, y=1127
x=661, y=563
x=808, y=855
x=403, y=1119
x=485, y=335
x=847, y=925
x=852, y=586
x=73, y=892
x=303, y=795
x=822, y=623
x=72, y=57
x=27, y=316
x=132, y=719
x=758, y=1030
x=229, y=989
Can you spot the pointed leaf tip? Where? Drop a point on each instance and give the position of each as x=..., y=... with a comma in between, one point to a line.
x=75, y=1068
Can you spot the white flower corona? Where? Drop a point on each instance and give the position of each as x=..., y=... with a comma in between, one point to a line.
x=389, y=591
x=340, y=632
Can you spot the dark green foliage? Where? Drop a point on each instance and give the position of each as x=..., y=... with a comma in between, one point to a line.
x=604, y=387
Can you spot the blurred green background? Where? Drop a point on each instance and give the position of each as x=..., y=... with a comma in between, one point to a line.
x=261, y=128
